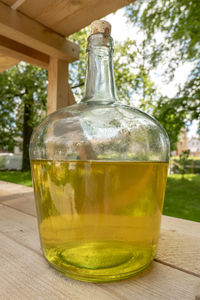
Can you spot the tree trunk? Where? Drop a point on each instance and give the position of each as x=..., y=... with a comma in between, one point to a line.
x=27, y=132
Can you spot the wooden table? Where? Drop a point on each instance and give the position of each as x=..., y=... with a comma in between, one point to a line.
x=25, y=275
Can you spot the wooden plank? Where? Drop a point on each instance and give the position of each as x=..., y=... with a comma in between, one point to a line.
x=59, y=94
x=23, y=53
x=20, y=227
x=62, y=10
x=180, y=251
x=179, y=244
x=9, y=188
x=7, y=62
x=32, y=9
x=22, y=265
x=22, y=202
x=8, y=2
x=79, y=14
x=17, y=4
x=14, y=25
x=181, y=226
x=17, y=196
x=26, y=275
x=159, y=282
x=44, y=7
x=66, y=16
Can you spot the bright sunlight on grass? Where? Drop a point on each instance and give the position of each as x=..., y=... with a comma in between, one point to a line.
x=182, y=198
x=18, y=177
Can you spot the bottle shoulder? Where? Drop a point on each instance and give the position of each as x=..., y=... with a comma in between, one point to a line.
x=115, y=128
x=103, y=113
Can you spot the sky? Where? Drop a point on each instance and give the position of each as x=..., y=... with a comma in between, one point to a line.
x=121, y=30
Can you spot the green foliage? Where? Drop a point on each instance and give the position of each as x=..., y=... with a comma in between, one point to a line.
x=167, y=111
x=191, y=165
x=22, y=104
x=131, y=76
x=31, y=85
x=19, y=85
x=7, y=112
x=182, y=197
x=23, y=178
x=77, y=69
x=182, y=160
x=178, y=22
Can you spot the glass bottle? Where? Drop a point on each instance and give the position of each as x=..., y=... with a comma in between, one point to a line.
x=99, y=172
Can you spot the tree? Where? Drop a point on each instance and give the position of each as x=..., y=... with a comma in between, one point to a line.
x=182, y=161
x=178, y=22
x=23, y=105
x=7, y=112
x=77, y=69
x=131, y=75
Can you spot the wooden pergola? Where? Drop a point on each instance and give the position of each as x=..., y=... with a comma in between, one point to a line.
x=35, y=31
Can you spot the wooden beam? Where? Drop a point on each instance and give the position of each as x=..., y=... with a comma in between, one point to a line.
x=6, y=62
x=8, y=2
x=59, y=91
x=21, y=52
x=67, y=17
x=17, y=4
x=14, y=25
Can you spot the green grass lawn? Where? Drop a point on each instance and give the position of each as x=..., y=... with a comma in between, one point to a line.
x=182, y=198
x=18, y=177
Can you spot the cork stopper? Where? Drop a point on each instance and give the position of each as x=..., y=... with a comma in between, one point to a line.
x=100, y=26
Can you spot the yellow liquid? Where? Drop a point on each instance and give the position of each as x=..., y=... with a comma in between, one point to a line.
x=99, y=221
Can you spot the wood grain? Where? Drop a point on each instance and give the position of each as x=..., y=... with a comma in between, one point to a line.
x=179, y=244
x=59, y=94
x=6, y=62
x=23, y=53
x=17, y=4
x=181, y=226
x=27, y=275
x=18, y=197
x=33, y=9
x=22, y=202
x=8, y=2
x=20, y=227
x=179, y=250
x=84, y=15
x=67, y=16
x=16, y=26
x=9, y=188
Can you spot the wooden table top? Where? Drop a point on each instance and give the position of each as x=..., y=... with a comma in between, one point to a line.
x=25, y=275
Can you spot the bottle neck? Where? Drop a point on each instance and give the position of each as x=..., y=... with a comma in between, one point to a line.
x=100, y=83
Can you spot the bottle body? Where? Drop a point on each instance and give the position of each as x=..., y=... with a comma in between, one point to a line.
x=99, y=221
x=99, y=172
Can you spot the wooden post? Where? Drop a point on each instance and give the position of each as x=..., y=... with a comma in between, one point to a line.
x=59, y=91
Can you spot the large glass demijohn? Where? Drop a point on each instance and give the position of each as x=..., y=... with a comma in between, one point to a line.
x=99, y=172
